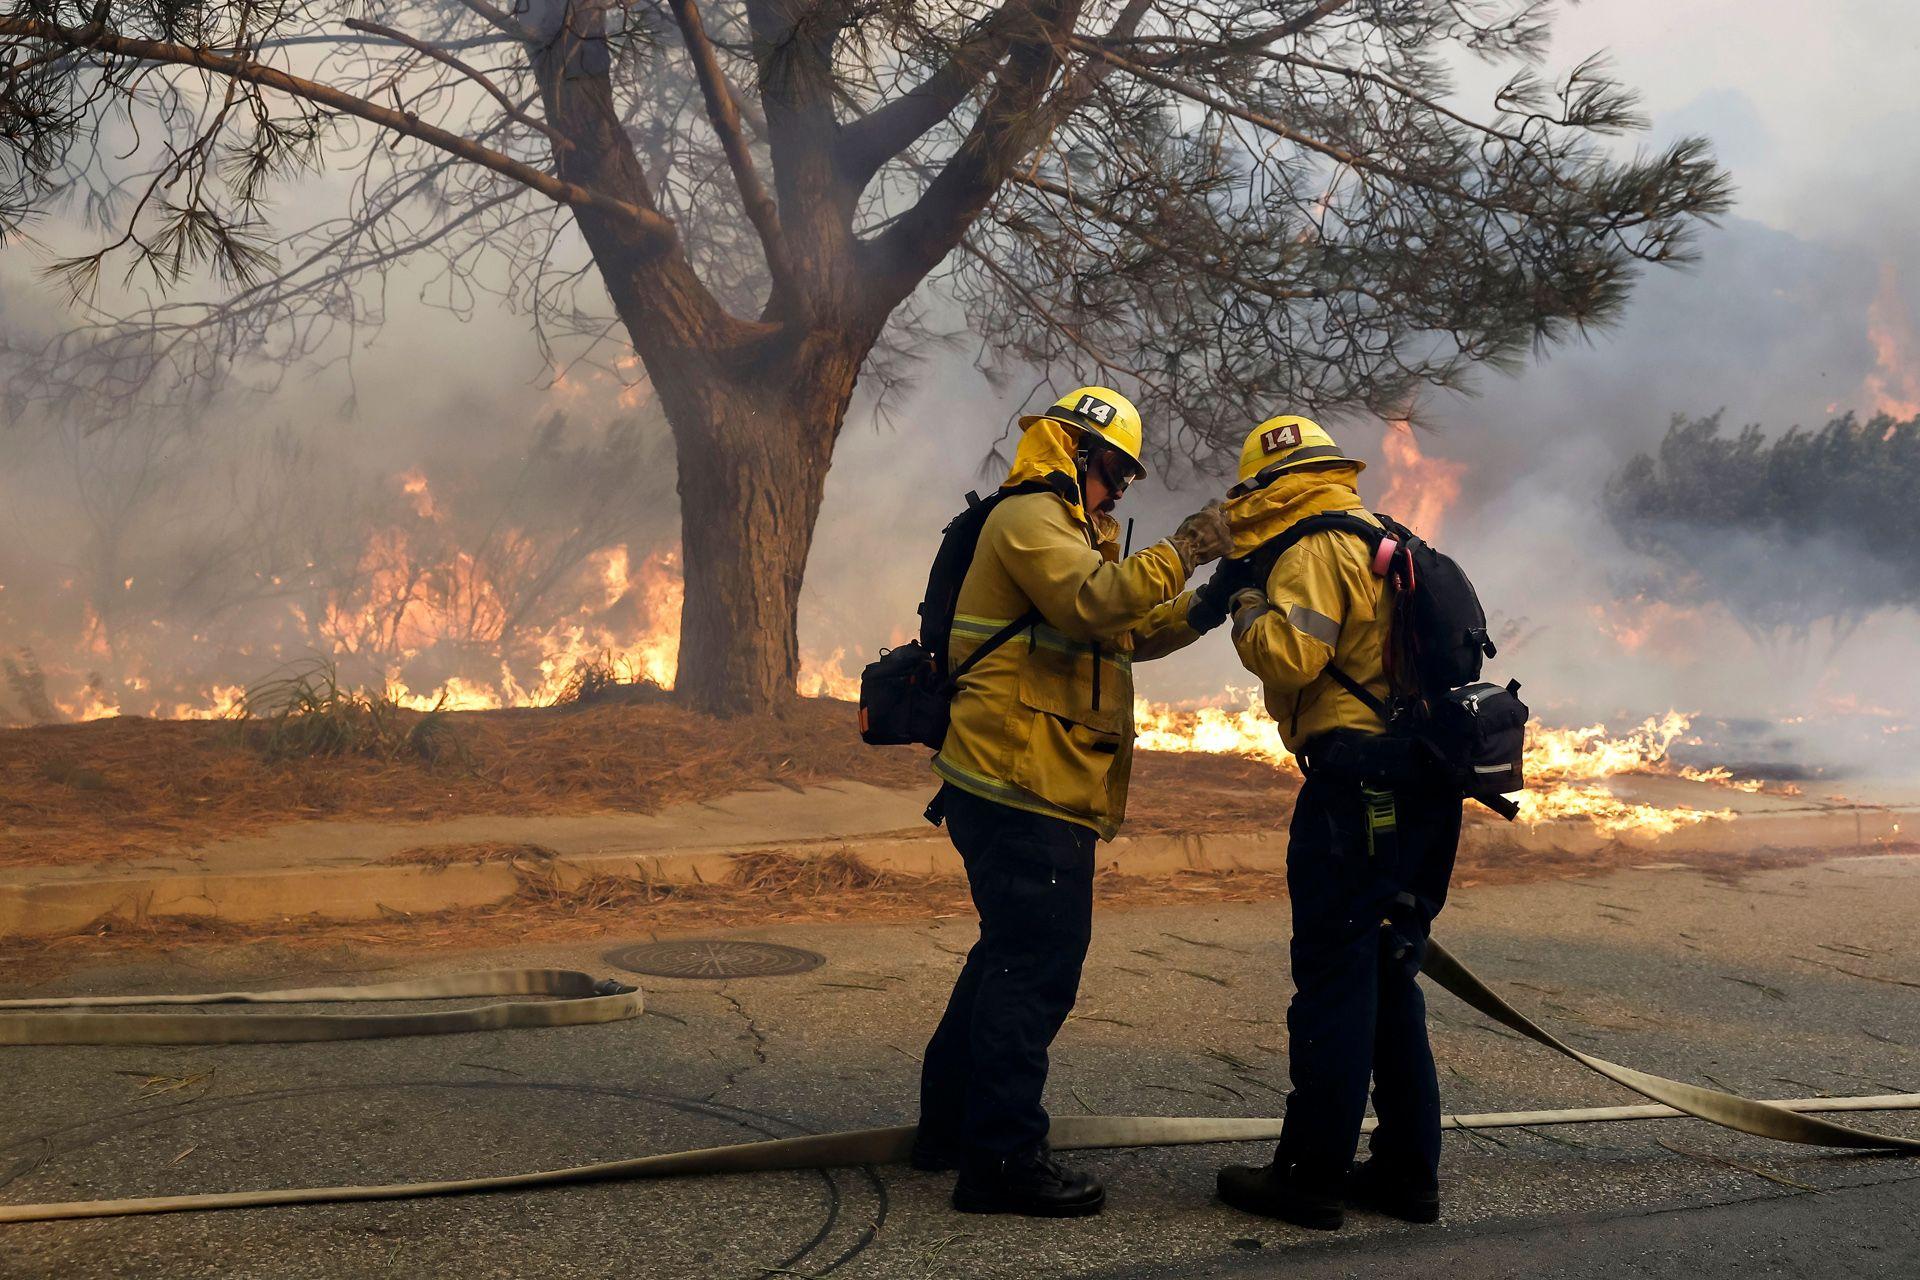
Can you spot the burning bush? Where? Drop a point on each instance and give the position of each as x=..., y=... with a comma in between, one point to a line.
x=303, y=711
x=607, y=679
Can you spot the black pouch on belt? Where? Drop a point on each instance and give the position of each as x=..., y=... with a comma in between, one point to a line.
x=1480, y=733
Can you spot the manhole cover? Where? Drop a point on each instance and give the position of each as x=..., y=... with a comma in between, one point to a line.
x=715, y=958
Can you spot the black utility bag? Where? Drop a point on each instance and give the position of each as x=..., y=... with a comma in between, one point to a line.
x=1471, y=732
x=906, y=695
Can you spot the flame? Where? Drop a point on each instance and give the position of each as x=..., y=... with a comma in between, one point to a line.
x=93, y=704
x=414, y=485
x=648, y=649
x=438, y=628
x=1566, y=768
x=1608, y=813
x=1240, y=727
x=1639, y=624
x=1419, y=489
x=217, y=702
x=1893, y=388
x=1558, y=755
x=827, y=678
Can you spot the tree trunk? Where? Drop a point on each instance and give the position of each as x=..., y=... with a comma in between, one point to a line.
x=753, y=460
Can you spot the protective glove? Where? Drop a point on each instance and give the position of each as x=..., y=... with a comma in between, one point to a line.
x=1249, y=603
x=1208, y=608
x=1202, y=537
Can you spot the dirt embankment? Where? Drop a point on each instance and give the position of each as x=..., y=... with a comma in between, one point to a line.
x=129, y=787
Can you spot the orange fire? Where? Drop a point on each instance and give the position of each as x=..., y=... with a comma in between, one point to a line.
x=1236, y=726
x=1567, y=769
x=1893, y=388
x=649, y=652
x=1420, y=490
x=828, y=677
x=1639, y=624
x=440, y=626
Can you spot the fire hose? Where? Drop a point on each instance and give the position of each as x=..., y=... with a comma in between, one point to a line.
x=582, y=1000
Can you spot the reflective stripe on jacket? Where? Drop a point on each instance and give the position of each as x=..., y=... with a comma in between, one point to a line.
x=1324, y=605
x=1045, y=722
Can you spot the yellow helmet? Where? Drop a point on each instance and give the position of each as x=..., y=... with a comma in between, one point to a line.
x=1103, y=411
x=1287, y=443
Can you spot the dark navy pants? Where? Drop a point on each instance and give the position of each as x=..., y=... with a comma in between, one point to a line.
x=986, y=1066
x=1360, y=923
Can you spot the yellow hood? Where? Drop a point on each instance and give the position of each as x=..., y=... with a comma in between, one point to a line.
x=1045, y=449
x=1265, y=513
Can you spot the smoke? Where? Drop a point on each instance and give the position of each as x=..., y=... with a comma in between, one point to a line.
x=428, y=521
x=149, y=552
x=1772, y=329
x=152, y=554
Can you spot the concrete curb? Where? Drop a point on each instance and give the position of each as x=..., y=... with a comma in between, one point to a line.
x=31, y=906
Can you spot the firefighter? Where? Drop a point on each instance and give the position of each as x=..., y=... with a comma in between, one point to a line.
x=1370, y=851
x=1034, y=770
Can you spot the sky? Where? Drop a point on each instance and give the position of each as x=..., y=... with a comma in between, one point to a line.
x=1812, y=109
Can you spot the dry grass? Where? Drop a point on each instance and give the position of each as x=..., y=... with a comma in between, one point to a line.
x=1184, y=793
x=782, y=875
x=768, y=884
x=603, y=680
x=474, y=852
x=302, y=713
x=128, y=787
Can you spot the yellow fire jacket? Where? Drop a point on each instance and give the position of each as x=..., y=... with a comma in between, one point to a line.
x=1045, y=722
x=1325, y=605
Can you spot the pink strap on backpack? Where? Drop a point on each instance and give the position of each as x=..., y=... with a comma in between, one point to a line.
x=1384, y=556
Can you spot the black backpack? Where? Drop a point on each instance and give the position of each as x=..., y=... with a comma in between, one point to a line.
x=906, y=695
x=1474, y=731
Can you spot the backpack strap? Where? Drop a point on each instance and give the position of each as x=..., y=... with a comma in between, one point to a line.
x=1359, y=691
x=1268, y=554
x=1063, y=486
x=992, y=642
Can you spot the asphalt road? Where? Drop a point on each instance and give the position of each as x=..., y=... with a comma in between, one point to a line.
x=1787, y=983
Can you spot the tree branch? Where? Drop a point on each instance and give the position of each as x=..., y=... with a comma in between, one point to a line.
x=1206, y=265
x=1006, y=129
x=1353, y=160
x=1186, y=52
x=1291, y=27
x=669, y=311
x=724, y=114
x=1038, y=306
x=892, y=127
x=500, y=19
x=655, y=228
x=471, y=72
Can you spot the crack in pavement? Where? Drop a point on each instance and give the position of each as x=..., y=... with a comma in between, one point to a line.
x=758, y=1044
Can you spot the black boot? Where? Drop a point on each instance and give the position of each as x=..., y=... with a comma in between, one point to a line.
x=1031, y=1183
x=934, y=1152
x=1370, y=1186
x=1273, y=1192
